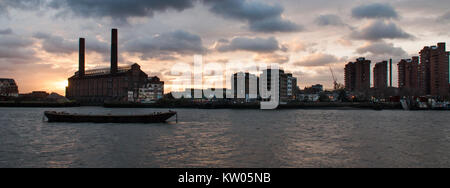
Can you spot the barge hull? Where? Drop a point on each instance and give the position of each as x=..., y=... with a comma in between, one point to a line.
x=74, y=118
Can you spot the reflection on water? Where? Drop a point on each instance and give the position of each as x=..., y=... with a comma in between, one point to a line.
x=229, y=138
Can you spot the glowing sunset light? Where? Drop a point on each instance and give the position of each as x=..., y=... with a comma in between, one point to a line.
x=60, y=85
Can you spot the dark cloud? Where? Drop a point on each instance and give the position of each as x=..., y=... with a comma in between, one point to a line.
x=261, y=17
x=15, y=42
x=119, y=10
x=16, y=50
x=375, y=10
x=329, y=20
x=273, y=25
x=16, y=55
x=317, y=60
x=260, y=45
x=59, y=45
x=56, y=44
x=378, y=29
x=244, y=10
x=382, y=48
x=167, y=45
x=22, y=4
x=5, y=5
x=7, y=31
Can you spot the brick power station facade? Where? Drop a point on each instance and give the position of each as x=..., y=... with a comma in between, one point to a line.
x=105, y=85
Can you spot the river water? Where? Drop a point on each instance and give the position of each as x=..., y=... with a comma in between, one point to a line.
x=229, y=138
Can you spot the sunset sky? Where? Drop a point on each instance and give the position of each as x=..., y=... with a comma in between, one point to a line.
x=39, y=38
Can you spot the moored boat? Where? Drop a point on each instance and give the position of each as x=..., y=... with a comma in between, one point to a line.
x=79, y=118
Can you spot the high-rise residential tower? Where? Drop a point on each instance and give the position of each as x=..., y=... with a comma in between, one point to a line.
x=357, y=75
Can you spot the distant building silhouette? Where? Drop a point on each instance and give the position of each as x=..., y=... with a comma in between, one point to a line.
x=433, y=70
x=315, y=89
x=380, y=75
x=350, y=77
x=244, y=89
x=8, y=88
x=408, y=74
x=35, y=95
x=287, y=83
x=152, y=91
x=292, y=86
x=357, y=75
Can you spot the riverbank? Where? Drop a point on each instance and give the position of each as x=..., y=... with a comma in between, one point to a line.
x=317, y=105
x=38, y=104
x=312, y=105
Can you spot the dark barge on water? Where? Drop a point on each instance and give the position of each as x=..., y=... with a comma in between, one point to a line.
x=78, y=118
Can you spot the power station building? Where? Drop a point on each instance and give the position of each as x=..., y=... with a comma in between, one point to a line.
x=116, y=84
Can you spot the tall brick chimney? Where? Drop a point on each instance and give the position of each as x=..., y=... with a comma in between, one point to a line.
x=81, y=58
x=114, y=52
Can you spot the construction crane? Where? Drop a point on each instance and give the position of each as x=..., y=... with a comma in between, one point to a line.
x=337, y=85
